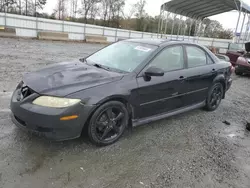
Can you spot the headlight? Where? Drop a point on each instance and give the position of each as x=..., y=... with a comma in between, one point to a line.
x=55, y=102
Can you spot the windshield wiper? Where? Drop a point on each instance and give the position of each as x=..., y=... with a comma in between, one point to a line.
x=105, y=67
x=82, y=60
x=101, y=66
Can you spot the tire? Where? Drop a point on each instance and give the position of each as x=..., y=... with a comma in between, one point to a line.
x=110, y=118
x=214, y=98
x=238, y=73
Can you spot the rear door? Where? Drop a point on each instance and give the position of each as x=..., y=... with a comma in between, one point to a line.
x=200, y=75
x=161, y=94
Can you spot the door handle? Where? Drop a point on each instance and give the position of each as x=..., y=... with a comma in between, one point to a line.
x=213, y=70
x=181, y=78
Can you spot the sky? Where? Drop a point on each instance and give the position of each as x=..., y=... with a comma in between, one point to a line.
x=228, y=20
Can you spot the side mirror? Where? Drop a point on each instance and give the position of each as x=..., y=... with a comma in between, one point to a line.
x=154, y=71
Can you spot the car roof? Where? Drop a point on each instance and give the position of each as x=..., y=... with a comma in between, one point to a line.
x=166, y=42
x=158, y=42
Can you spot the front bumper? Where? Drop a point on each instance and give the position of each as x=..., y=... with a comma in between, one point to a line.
x=45, y=121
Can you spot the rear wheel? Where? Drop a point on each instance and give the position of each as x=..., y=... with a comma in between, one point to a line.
x=214, y=98
x=108, y=123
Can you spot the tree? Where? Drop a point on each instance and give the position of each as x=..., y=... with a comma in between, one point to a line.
x=94, y=12
x=116, y=9
x=207, y=23
x=20, y=6
x=29, y=7
x=60, y=9
x=74, y=8
x=225, y=34
x=32, y=6
x=140, y=13
x=127, y=16
x=105, y=8
x=86, y=6
x=39, y=4
x=7, y=4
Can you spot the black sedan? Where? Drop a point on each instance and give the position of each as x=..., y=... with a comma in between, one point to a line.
x=131, y=82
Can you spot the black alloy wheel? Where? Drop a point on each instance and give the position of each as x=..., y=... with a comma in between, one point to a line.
x=108, y=123
x=214, y=97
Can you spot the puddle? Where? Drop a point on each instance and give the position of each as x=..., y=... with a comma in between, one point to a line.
x=231, y=135
x=233, y=131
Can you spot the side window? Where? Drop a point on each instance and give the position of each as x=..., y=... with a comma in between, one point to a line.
x=169, y=59
x=196, y=56
x=209, y=60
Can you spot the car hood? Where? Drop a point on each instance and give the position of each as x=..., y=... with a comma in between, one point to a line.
x=69, y=77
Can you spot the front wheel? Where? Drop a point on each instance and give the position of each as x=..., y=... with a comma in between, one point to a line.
x=214, y=98
x=108, y=123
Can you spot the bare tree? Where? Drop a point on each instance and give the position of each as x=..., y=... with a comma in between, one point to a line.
x=60, y=9
x=29, y=7
x=63, y=4
x=39, y=4
x=140, y=13
x=116, y=9
x=128, y=16
x=5, y=5
x=20, y=6
x=130, y=13
x=94, y=11
x=86, y=7
x=26, y=7
x=74, y=8
x=105, y=8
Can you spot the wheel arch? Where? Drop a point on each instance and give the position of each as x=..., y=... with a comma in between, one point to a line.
x=221, y=79
x=120, y=98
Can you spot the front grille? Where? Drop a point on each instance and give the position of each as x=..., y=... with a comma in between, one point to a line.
x=26, y=91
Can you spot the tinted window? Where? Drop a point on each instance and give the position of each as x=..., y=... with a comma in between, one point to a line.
x=125, y=56
x=169, y=59
x=196, y=56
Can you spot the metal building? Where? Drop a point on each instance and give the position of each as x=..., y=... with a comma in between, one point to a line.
x=197, y=10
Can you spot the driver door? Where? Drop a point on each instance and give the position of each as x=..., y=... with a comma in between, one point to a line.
x=162, y=94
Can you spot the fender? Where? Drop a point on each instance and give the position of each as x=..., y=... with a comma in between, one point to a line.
x=121, y=98
x=219, y=78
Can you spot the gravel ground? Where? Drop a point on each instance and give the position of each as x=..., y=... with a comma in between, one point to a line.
x=195, y=149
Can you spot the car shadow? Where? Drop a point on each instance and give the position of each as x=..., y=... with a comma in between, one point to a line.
x=38, y=152
x=84, y=142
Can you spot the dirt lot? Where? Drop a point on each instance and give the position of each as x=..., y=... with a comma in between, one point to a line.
x=195, y=149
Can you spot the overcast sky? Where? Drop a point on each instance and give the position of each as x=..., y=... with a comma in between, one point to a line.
x=228, y=20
